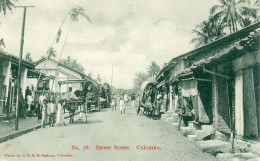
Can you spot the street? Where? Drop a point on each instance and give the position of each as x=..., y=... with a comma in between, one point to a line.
x=108, y=135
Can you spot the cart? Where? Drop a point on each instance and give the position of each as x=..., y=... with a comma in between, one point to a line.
x=146, y=105
x=88, y=97
x=72, y=106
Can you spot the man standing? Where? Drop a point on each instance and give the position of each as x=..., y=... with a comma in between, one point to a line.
x=68, y=97
x=184, y=109
x=40, y=106
x=122, y=103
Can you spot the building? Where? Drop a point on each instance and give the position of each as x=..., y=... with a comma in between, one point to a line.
x=9, y=81
x=222, y=81
x=59, y=72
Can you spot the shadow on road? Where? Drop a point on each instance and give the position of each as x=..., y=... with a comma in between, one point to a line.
x=83, y=121
x=94, y=121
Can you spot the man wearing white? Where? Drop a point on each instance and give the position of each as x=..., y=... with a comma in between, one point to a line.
x=122, y=103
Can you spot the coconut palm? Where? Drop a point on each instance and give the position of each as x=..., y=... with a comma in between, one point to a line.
x=51, y=52
x=153, y=69
x=6, y=5
x=203, y=34
x=28, y=57
x=206, y=32
x=139, y=79
x=232, y=13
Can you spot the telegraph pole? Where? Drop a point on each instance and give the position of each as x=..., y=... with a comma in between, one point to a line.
x=19, y=65
x=111, y=79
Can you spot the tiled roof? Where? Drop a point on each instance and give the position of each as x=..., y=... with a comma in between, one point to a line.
x=237, y=35
x=15, y=59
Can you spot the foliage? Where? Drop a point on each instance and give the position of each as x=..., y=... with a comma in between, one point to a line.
x=51, y=52
x=73, y=64
x=90, y=74
x=6, y=4
x=234, y=13
x=206, y=32
x=98, y=79
x=28, y=57
x=152, y=71
x=140, y=77
x=228, y=15
x=2, y=43
x=77, y=11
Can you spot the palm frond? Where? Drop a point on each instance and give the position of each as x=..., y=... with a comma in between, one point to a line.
x=213, y=9
x=78, y=11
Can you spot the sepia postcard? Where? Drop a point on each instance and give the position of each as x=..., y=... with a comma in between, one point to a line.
x=129, y=80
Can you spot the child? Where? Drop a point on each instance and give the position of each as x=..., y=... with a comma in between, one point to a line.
x=60, y=119
x=51, y=112
x=44, y=112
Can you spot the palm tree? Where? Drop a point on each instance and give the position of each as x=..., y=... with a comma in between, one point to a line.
x=153, y=69
x=232, y=13
x=202, y=32
x=51, y=52
x=6, y=4
x=28, y=57
x=2, y=43
x=207, y=32
x=139, y=79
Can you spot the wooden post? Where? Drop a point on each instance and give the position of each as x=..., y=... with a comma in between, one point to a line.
x=19, y=65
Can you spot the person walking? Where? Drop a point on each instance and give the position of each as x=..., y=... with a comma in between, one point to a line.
x=133, y=99
x=126, y=98
x=122, y=103
x=114, y=102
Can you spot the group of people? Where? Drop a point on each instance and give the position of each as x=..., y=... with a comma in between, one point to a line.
x=123, y=100
x=47, y=106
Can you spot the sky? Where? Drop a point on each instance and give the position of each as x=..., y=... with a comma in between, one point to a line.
x=125, y=34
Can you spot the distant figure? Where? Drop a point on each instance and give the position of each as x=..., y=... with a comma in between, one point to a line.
x=133, y=99
x=122, y=103
x=125, y=98
x=114, y=102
